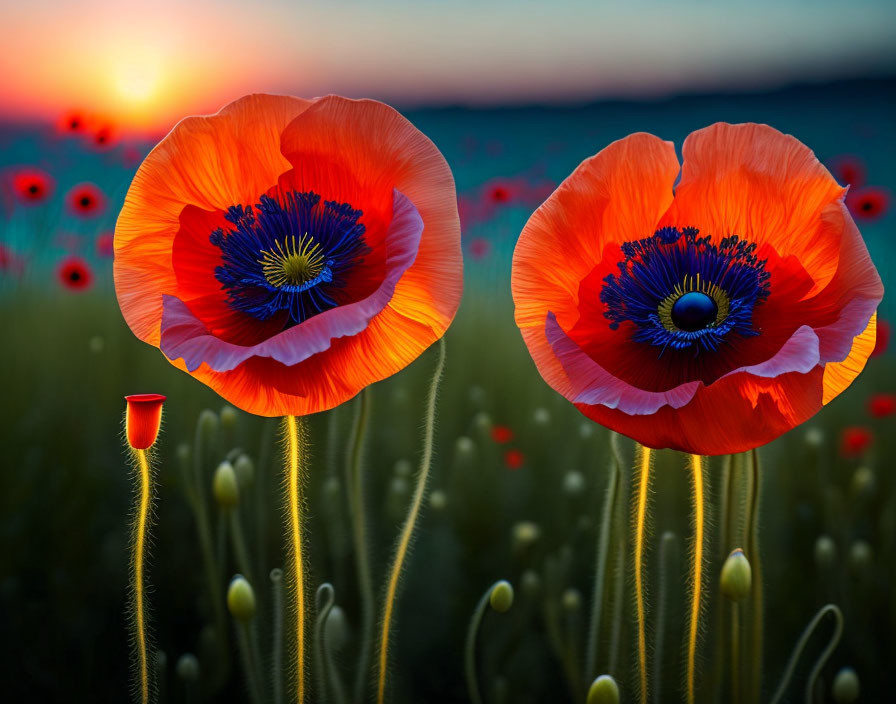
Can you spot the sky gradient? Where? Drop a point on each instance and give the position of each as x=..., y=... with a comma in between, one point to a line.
x=144, y=65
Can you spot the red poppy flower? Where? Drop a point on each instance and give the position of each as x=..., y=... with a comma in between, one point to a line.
x=883, y=338
x=86, y=200
x=868, y=203
x=502, y=434
x=710, y=318
x=514, y=459
x=854, y=441
x=75, y=274
x=72, y=122
x=849, y=170
x=32, y=185
x=480, y=247
x=290, y=252
x=10, y=262
x=882, y=405
x=105, y=245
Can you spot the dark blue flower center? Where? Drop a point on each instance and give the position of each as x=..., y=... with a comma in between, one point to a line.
x=291, y=254
x=682, y=291
x=694, y=311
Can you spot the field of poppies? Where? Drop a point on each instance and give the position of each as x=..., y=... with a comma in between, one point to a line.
x=522, y=487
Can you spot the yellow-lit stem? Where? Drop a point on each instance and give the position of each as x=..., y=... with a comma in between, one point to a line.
x=295, y=437
x=140, y=527
x=640, y=532
x=410, y=522
x=697, y=573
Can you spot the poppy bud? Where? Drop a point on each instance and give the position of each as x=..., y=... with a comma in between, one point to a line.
x=501, y=596
x=541, y=416
x=245, y=470
x=846, y=686
x=737, y=576
x=144, y=416
x=208, y=425
x=225, y=487
x=464, y=447
x=531, y=583
x=525, y=533
x=825, y=551
x=586, y=430
x=860, y=556
x=814, y=437
x=864, y=482
x=403, y=468
x=187, y=667
x=228, y=418
x=604, y=690
x=336, y=629
x=571, y=600
x=241, y=599
x=573, y=483
x=438, y=500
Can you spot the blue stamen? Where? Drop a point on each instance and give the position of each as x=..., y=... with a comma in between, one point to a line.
x=681, y=291
x=289, y=255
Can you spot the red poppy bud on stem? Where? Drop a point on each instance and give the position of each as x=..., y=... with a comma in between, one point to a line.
x=144, y=416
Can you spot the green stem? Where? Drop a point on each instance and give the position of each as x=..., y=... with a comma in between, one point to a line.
x=470, y=647
x=250, y=664
x=801, y=645
x=277, y=637
x=326, y=597
x=142, y=520
x=410, y=523
x=668, y=562
x=600, y=561
x=756, y=605
x=238, y=540
x=355, y=485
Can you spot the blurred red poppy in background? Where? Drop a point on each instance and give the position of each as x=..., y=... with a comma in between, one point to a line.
x=32, y=186
x=86, y=200
x=75, y=274
x=104, y=137
x=72, y=122
x=514, y=459
x=849, y=170
x=882, y=405
x=480, y=247
x=854, y=441
x=105, y=245
x=882, y=343
x=709, y=315
x=10, y=262
x=502, y=434
x=868, y=203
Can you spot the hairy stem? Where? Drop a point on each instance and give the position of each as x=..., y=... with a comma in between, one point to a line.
x=756, y=606
x=296, y=433
x=696, y=573
x=640, y=532
x=410, y=523
x=600, y=561
x=140, y=528
x=668, y=561
x=277, y=637
x=355, y=485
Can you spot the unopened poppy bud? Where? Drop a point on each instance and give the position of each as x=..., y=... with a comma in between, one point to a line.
x=603, y=690
x=846, y=686
x=586, y=430
x=501, y=596
x=541, y=416
x=438, y=500
x=860, y=555
x=336, y=628
x=573, y=483
x=530, y=582
x=825, y=551
x=144, y=416
x=482, y=421
x=228, y=418
x=241, y=599
x=464, y=447
x=571, y=600
x=225, y=488
x=245, y=470
x=737, y=576
x=864, y=482
x=187, y=667
x=525, y=534
x=208, y=424
x=814, y=437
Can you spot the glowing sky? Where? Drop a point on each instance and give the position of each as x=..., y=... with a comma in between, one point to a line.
x=146, y=64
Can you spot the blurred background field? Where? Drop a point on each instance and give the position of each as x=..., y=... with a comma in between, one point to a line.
x=65, y=489
x=516, y=94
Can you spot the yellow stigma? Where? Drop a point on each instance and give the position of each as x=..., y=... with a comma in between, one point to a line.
x=693, y=283
x=293, y=263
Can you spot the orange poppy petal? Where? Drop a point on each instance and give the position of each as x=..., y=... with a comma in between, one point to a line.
x=383, y=150
x=839, y=375
x=617, y=195
x=753, y=181
x=209, y=162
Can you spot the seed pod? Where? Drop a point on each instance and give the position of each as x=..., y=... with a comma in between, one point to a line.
x=573, y=483
x=825, y=552
x=187, y=667
x=245, y=471
x=846, y=686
